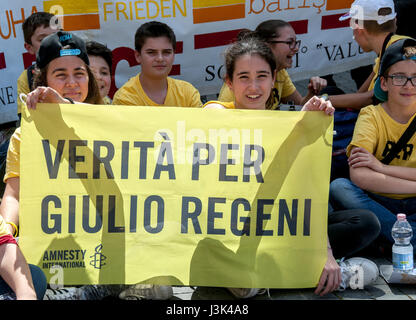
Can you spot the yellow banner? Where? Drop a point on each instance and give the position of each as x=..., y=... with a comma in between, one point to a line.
x=182, y=196
x=70, y=7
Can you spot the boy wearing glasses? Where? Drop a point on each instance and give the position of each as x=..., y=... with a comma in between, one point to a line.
x=385, y=189
x=373, y=24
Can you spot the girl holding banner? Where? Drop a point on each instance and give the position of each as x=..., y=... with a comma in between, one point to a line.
x=248, y=59
x=62, y=76
x=250, y=76
x=281, y=38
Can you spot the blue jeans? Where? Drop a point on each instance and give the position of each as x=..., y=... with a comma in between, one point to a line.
x=4, y=146
x=39, y=282
x=343, y=194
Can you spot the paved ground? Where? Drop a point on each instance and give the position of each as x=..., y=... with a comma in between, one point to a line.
x=380, y=290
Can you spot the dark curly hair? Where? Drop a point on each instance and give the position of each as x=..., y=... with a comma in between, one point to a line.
x=97, y=49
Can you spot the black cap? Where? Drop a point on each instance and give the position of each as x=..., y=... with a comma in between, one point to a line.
x=393, y=54
x=61, y=44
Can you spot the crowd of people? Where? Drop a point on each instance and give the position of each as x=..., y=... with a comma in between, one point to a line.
x=362, y=204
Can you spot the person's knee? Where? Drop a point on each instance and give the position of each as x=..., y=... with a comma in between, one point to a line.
x=370, y=224
x=339, y=186
x=343, y=194
x=364, y=226
x=39, y=281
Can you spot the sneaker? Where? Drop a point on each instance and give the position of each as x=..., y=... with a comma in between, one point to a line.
x=99, y=292
x=70, y=293
x=8, y=296
x=243, y=293
x=141, y=291
x=357, y=273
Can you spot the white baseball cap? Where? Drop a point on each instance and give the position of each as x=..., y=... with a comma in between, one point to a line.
x=364, y=10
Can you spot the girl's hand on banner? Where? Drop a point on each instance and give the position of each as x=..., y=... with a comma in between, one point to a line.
x=44, y=95
x=330, y=279
x=319, y=104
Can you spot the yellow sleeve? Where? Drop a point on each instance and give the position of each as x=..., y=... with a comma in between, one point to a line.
x=195, y=99
x=225, y=94
x=116, y=98
x=225, y=104
x=127, y=94
x=365, y=131
x=121, y=98
x=22, y=87
x=288, y=87
x=181, y=94
x=13, y=156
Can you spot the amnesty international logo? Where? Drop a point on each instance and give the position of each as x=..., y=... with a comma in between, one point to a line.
x=98, y=258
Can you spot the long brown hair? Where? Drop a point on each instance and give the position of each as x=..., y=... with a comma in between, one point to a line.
x=266, y=31
x=93, y=97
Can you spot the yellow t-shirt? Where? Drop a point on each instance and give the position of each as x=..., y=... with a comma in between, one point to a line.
x=376, y=67
x=13, y=156
x=180, y=94
x=283, y=85
x=376, y=132
x=22, y=87
x=227, y=105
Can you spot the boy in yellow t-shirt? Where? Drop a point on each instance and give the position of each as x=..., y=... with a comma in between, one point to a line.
x=384, y=187
x=35, y=28
x=373, y=23
x=155, y=44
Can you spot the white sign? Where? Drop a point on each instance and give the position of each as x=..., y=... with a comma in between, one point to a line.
x=203, y=29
